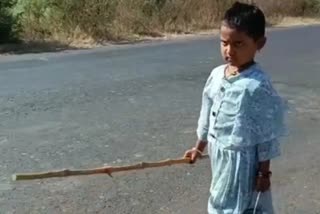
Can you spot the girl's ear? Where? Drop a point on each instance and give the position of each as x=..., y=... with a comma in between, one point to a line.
x=261, y=42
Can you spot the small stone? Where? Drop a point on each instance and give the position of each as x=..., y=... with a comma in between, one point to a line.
x=138, y=155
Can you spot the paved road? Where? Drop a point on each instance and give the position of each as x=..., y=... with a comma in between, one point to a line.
x=135, y=103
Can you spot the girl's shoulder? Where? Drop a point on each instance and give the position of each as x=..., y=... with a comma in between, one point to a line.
x=261, y=92
x=256, y=79
x=215, y=76
x=218, y=72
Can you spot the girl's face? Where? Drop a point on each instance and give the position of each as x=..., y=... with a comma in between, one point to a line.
x=237, y=48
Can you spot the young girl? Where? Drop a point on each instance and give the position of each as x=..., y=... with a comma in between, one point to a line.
x=241, y=118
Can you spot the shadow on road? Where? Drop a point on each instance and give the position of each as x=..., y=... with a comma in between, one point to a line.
x=35, y=47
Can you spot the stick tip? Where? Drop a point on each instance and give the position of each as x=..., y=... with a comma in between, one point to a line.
x=14, y=177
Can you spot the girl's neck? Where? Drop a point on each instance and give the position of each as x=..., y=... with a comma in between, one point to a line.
x=235, y=70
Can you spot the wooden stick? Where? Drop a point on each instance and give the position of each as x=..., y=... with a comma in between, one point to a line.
x=102, y=170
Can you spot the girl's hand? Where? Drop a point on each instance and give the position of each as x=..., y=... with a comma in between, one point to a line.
x=193, y=154
x=263, y=183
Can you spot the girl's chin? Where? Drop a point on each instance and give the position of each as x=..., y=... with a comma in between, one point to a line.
x=232, y=63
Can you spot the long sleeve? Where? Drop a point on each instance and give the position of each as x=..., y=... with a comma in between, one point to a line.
x=204, y=118
x=268, y=112
x=268, y=150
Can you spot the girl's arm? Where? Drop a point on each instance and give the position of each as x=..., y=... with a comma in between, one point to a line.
x=263, y=182
x=204, y=118
x=201, y=145
x=203, y=124
x=264, y=168
x=266, y=152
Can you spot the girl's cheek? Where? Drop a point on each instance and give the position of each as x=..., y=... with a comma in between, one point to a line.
x=223, y=53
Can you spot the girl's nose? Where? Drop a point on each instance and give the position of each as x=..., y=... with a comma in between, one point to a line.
x=230, y=50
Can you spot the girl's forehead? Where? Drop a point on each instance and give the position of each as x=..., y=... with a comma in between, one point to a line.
x=229, y=33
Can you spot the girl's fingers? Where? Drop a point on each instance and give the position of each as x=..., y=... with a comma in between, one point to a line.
x=262, y=185
x=194, y=156
x=187, y=154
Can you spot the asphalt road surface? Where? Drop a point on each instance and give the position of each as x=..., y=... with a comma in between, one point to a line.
x=131, y=103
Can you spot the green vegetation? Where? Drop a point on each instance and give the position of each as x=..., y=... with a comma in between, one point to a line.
x=100, y=20
x=7, y=22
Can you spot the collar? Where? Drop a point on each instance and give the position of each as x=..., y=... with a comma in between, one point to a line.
x=245, y=69
x=246, y=65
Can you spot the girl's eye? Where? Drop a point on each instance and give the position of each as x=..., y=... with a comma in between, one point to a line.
x=224, y=44
x=239, y=44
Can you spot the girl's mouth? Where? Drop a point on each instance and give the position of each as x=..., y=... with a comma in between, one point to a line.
x=229, y=59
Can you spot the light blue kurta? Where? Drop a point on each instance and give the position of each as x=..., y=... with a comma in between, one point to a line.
x=242, y=118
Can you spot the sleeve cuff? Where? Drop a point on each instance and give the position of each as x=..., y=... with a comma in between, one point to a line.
x=268, y=150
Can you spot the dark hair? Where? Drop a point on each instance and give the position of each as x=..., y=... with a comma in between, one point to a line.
x=246, y=18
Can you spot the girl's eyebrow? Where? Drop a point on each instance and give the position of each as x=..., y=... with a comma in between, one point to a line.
x=235, y=41
x=238, y=41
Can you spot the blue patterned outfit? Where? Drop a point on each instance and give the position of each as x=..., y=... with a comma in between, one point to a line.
x=242, y=118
